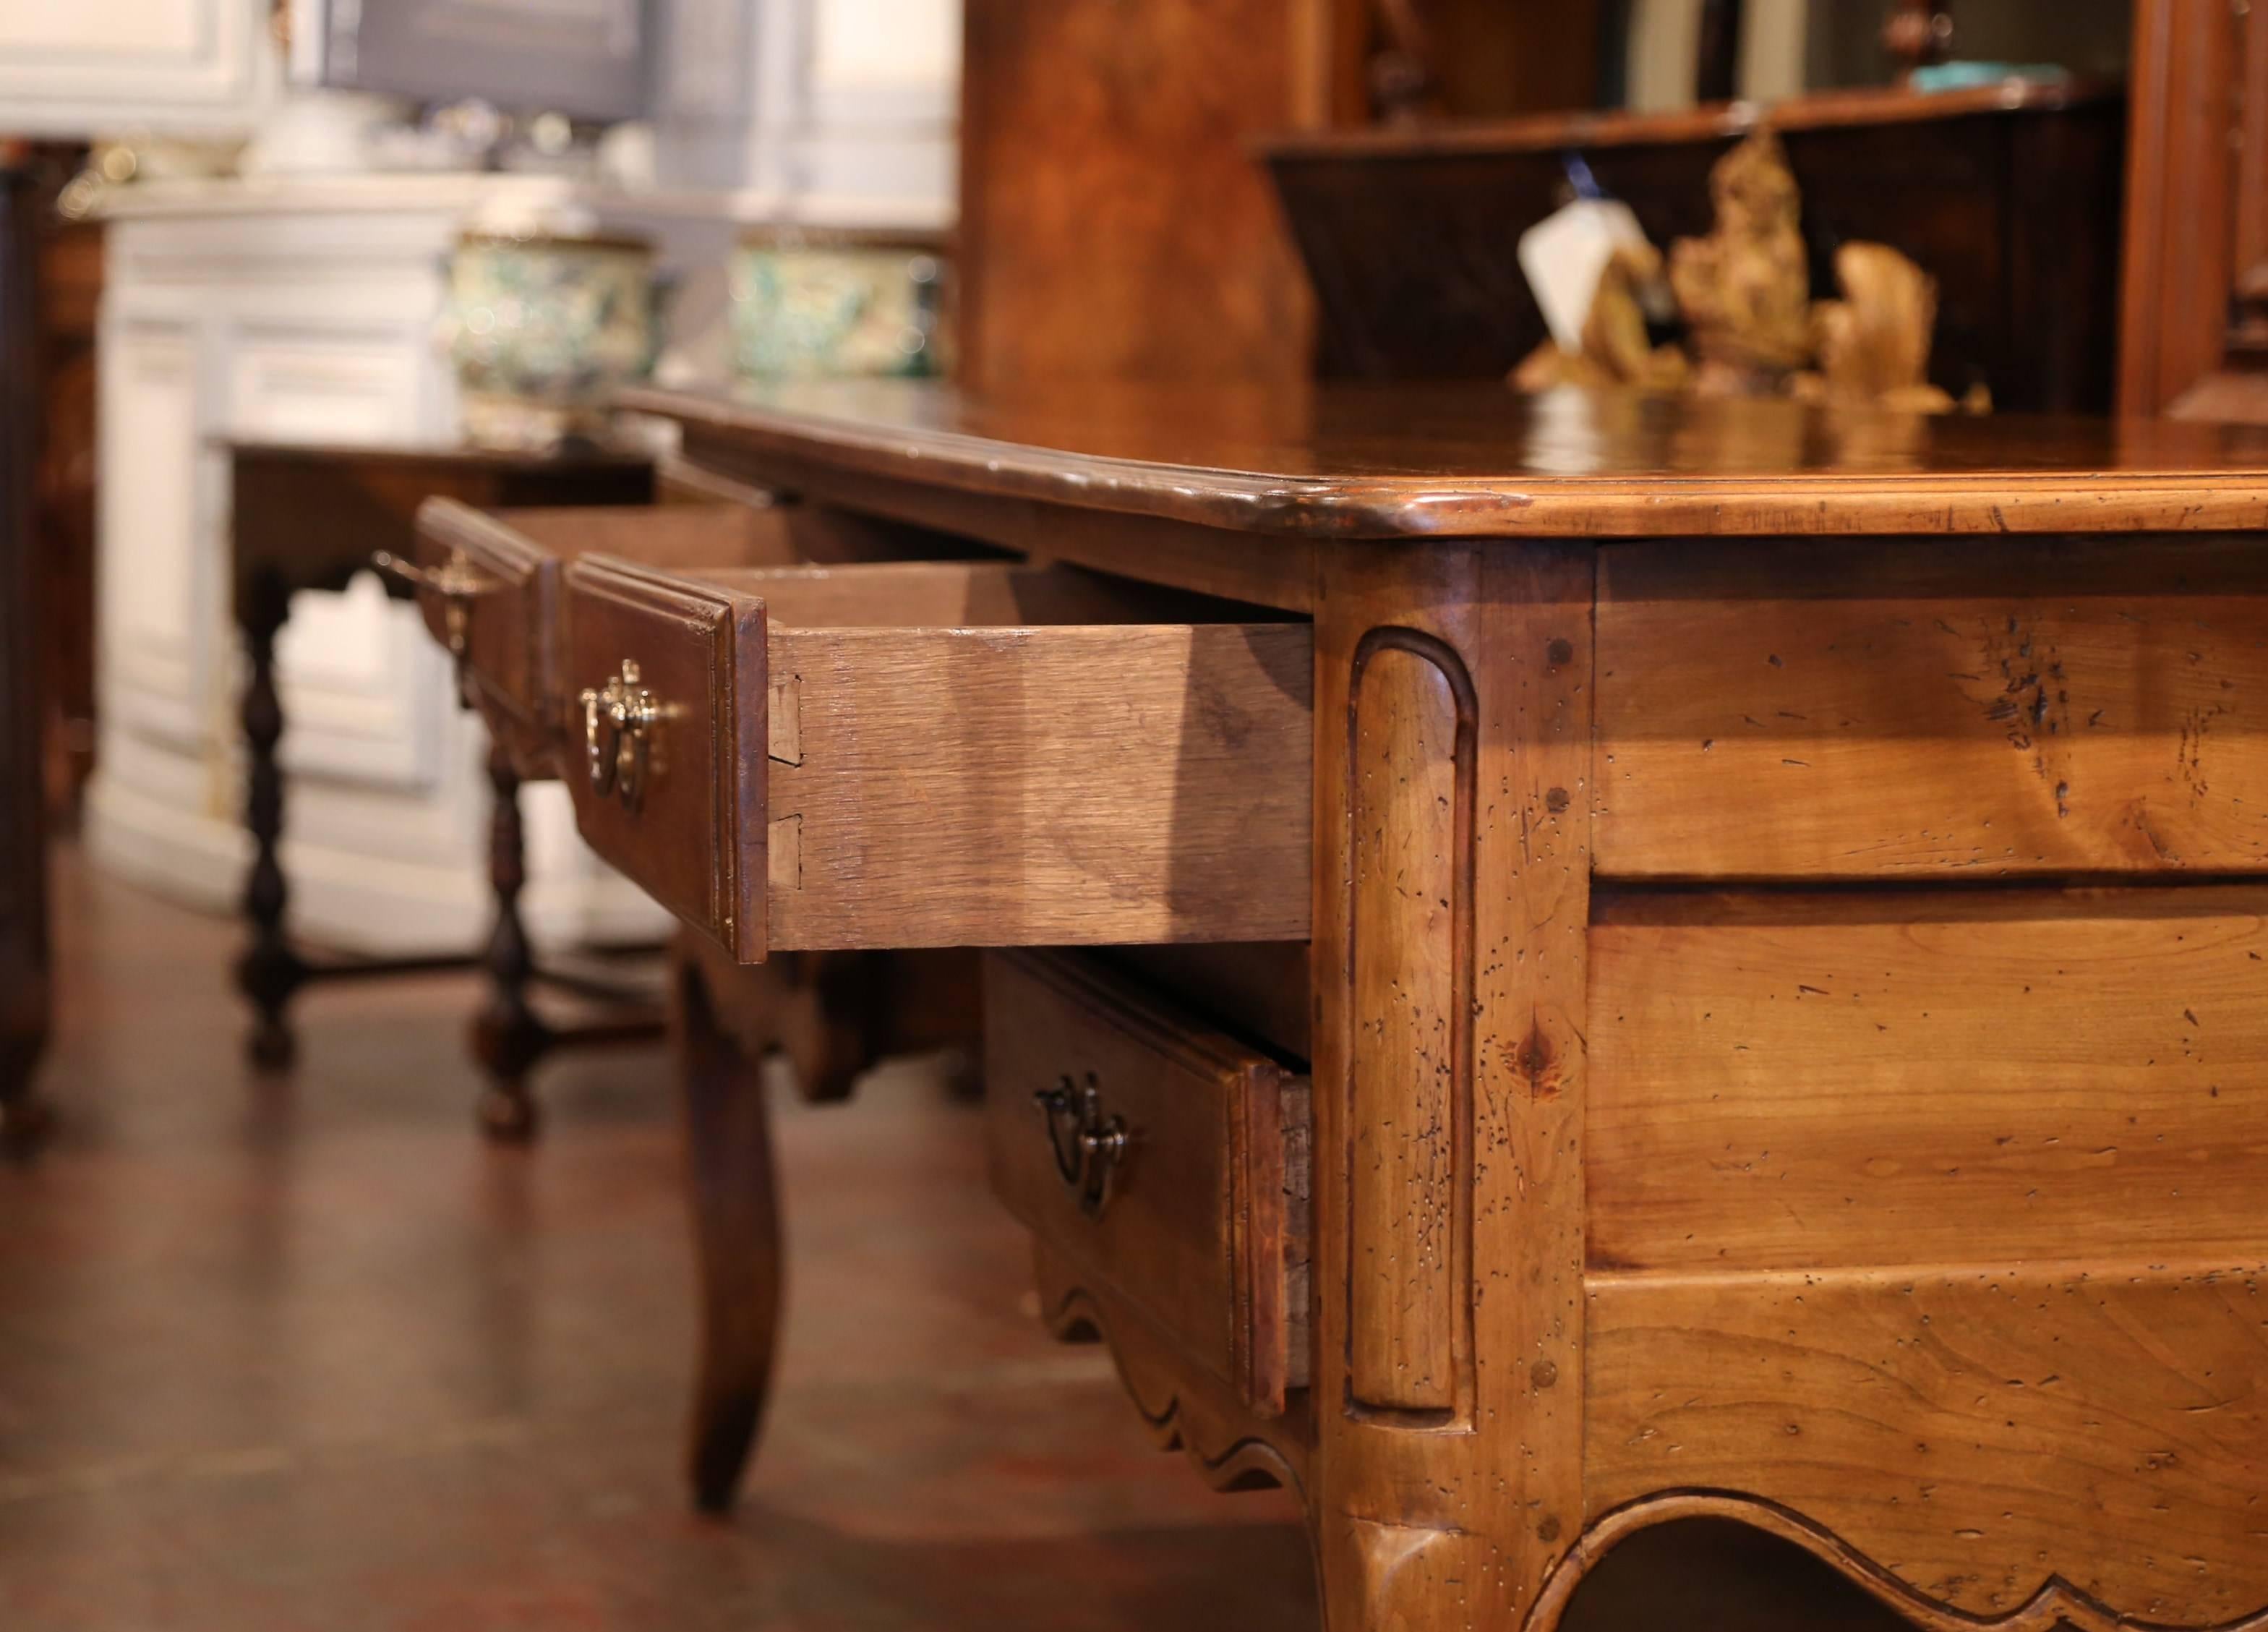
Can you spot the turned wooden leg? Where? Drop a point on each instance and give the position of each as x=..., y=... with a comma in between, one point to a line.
x=267, y=973
x=1453, y=801
x=736, y=1225
x=508, y=1038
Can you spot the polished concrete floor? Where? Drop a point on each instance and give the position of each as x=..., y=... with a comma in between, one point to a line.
x=308, y=1354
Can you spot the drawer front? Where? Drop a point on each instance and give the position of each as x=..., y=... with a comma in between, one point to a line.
x=1162, y=1158
x=1960, y=1187
x=508, y=563
x=500, y=623
x=1799, y=1081
x=1923, y=708
x=886, y=777
x=670, y=789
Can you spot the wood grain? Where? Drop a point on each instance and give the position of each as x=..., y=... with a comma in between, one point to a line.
x=1114, y=223
x=1411, y=1184
x=924, y=783
x=1900, y=1215
x=2181, y=199
x=1334, y=463
x=1974, y=1432
x=1072, y=785
x=1420, y=1525
x=1778, y=710
x=1836, y=1080
x=1204, y=1232
x=1167, y=553
x=1183, y=1406
x=734, y=1190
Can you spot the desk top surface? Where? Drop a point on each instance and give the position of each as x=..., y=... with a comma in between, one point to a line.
x=1367, y=462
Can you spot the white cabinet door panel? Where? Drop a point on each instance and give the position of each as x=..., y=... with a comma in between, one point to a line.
x=77, y=66
x=156, y=584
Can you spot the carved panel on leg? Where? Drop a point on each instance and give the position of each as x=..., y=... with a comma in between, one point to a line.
x=1453, y=709
x=1409, y=1149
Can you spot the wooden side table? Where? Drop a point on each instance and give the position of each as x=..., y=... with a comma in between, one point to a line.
x=310, y=518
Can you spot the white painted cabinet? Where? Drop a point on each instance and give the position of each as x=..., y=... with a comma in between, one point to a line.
x=70, y=67
x=294, y=311
x=302, y=309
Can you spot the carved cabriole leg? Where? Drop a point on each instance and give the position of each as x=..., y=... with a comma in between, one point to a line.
x=736, y=1225
x=267, y=973
x=1453, y=799
x=829, y=1019
x=508, y=1038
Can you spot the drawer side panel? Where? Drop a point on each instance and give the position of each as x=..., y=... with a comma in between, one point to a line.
x=1061, y=785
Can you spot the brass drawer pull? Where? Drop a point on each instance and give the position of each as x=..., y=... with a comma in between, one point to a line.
x=454, y=581
x=618, y=727
x=1088, y=1148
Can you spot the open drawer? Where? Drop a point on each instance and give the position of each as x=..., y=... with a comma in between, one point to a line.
x=946, y=754
x=487, y=584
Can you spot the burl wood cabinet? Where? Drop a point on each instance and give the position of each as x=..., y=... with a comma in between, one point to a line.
x=1560, y=965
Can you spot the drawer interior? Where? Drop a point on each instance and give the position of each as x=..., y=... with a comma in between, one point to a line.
x=891, y=755
x=971, y=595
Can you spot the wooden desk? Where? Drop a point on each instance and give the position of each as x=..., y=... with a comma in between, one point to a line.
x=310, y=518
x=1652, y=962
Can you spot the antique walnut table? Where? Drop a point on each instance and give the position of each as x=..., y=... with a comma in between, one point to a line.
x=1562, y=964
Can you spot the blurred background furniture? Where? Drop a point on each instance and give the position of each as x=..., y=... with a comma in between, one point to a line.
x=2193, y=341
x=68, y=303
x=1115, y=223
x=273, y=244
x=309, y=518
x=2006, y=195
x=24, y=962
x=302, y=310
